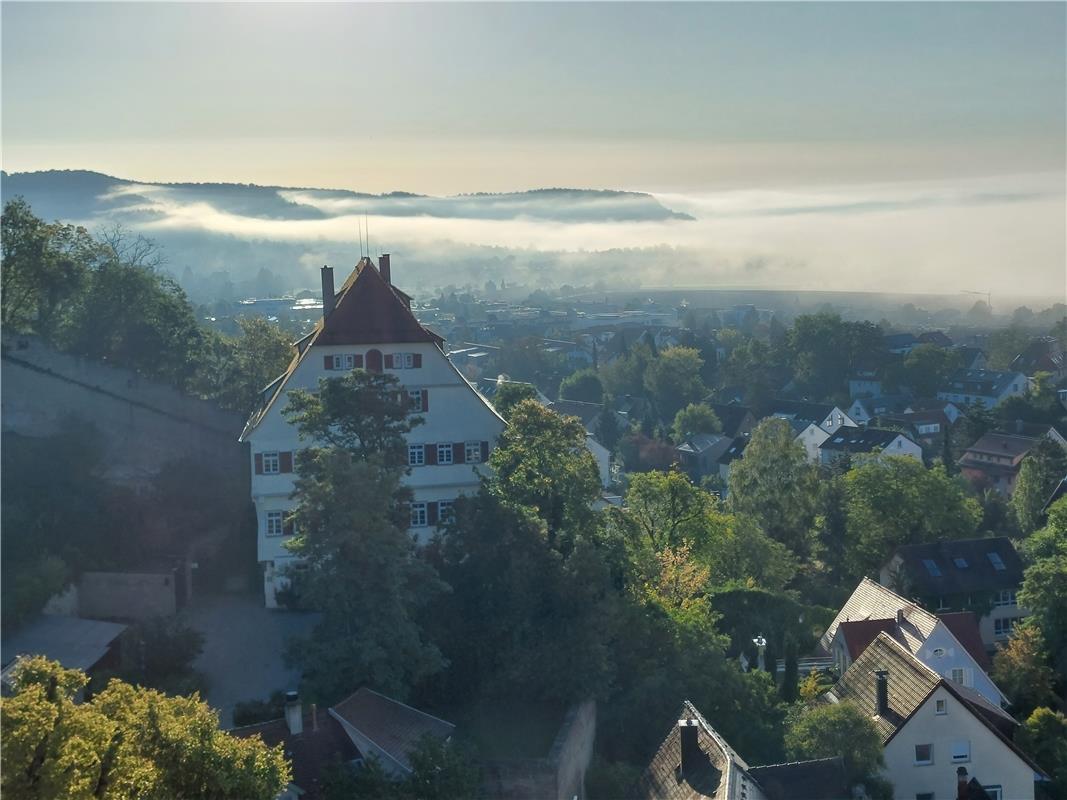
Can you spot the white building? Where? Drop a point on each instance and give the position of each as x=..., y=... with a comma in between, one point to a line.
x=984, y=386
x=862, y=444
x=950, y=644
x=368, y=325
x=812, y=423
x=932, y=728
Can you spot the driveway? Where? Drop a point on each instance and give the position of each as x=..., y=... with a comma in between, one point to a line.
x=243, y=651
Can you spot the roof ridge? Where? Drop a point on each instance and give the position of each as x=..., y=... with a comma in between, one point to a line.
x=938, y=679
x=399, y=703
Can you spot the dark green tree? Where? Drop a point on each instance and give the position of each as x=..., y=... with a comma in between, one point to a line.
x=608, y=429
x=508, y=395
x=583, y=385
x=673, y=380
x=693, y=419
x=1042, y=470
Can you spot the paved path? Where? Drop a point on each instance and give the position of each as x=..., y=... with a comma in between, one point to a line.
x=244, y=645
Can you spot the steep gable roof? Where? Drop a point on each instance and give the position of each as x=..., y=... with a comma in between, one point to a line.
x=860, y=440
x=818, y=779
x=393, y=726
x=964, y=626
x=367, y=310
x=859, y=634
x=801, y=410
x=872, y=601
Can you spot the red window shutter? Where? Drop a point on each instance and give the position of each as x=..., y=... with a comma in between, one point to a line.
x=285, y=462
x=425, y=400
x=259, y=463
x=388, y=360
x=431, y=512
x=327, y=362
x=485, y=452
x=431, y=454
x=359, y=361
x=416, y=360
x=458, y=455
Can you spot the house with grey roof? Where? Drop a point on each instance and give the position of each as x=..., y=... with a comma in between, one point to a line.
x=699, y=454
x=936, y=734
x=986, y=387
x=812, y=423
x=867, y=443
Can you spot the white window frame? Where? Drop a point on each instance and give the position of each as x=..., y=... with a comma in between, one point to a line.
x=419, y=515
x=1004, y=626
x=272, y=462
x=995, y=792
x=962, y=673
x=274, y=524
x=445, y=510
x=415, y=396
x=416, y=455
x=407, y=360
x=915, y=754
x=476, y=449
x=343, y=361
x=445, y=454
x=1005, y=597
x=961, y=751
x=940, y=707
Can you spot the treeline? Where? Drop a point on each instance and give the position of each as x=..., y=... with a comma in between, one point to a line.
x=107, y=297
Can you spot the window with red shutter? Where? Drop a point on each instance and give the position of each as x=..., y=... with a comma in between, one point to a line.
x=259, y=463
x=327, y=362
x=416, y=360
x=285, y=462
x=388, y=360
x=425, y=400
x=431, y=454
x=359, y=361
x=457, y=453
x=288, y=529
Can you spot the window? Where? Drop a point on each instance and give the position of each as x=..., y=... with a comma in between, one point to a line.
x=939, y=652
x=924, y=754
x=345, y=361
x=961, y=563
x=1005, y=597
x=407, y=360
x=418, y=515
x=271, y=463
x=415, y=398
x=275, y=523
x=994, y=559
x=1003, y=627
x=416, y=455
x=444, y=453
x=941, y=604
x=472, y=452
x=932, y=568
x=941, y=707
x=958, y=675
x=961, y=751
x=444, y=510
x=994, y=792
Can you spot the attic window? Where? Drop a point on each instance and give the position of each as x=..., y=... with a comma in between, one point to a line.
x=932, y=568
x=995, y=560
x=960, y=562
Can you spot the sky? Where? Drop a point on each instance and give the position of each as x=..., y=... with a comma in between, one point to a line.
x=726, y=110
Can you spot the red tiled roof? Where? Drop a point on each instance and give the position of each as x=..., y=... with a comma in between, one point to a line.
x=394, y=727
x=861, y=633
x=964, y=626
x=310, y=752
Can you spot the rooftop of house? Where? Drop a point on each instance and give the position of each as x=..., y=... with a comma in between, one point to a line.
x=736, y=449
x=909, y=684
x=1035, y=430
x=964, y=626
x=74, y=642
x=802, y=410
x=702, y=442
x=818, y=779
x=586, y=412
x=731, y=415
x=368, y=309
x=962, y=566
x=1043, y=353
x=940, y=338
x=321, y=743
x=895, y=340
x=872, y=601
x=860, y=633
x=1002, y=444
x=860, y=440
x=394, y=727
x=982, y=382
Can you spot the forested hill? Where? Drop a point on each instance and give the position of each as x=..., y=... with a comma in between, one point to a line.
x=80, y=195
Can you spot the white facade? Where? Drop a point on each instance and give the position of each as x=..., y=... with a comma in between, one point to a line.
x=956, y=738
x=900, y=446
x=943, y=653
x=812, y=438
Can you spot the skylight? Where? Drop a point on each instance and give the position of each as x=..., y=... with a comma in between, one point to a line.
x=960, y=562
x=994, y=559
x=932, y=568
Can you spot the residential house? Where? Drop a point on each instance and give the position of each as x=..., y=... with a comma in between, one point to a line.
x=735, y=451
x=313, y=742
x=995, y=459
x=76, y=643
x=864, y=383
x=812, y=422
x=948, y=408
x=736, y=419
x=694, y=762
x=900, y=343
x=970, y=357
x=699, y=454
x=951, y=645
x=935, y=733
x=1044, y=354
x=864, y=410
x=368, y=325
x=1035, y=430
x=927, y=427
x=986, y=387
x=1057, y=493
x=867, y=443
x=980, y=575
x=589, y=414
x=938, y=338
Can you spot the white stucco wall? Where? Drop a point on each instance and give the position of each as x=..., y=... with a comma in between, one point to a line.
x=991, y=761
x=954, y=656
x=812, y=438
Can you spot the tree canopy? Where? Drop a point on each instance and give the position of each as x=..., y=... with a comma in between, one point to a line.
x=693, y=419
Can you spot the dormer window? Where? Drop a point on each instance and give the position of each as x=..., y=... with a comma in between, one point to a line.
x=995, y=560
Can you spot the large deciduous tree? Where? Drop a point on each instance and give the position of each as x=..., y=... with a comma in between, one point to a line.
x=673, y=380
x=837, y=729
x=124, y=742
x=695, y=418
x=1044, y=589
x=583, y=385
x=1041, y=471
x=826, y=349
x=361, y=569
x=895, y=501
x=775, y=485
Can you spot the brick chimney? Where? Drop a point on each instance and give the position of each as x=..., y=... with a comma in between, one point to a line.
x=962, y=783
x=383, y=267
x=881, y=692
x=329, y=297
x=294, y=713
x=901, y=616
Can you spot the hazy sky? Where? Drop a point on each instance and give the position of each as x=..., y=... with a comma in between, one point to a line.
x=912, y=146
x=451, y=98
